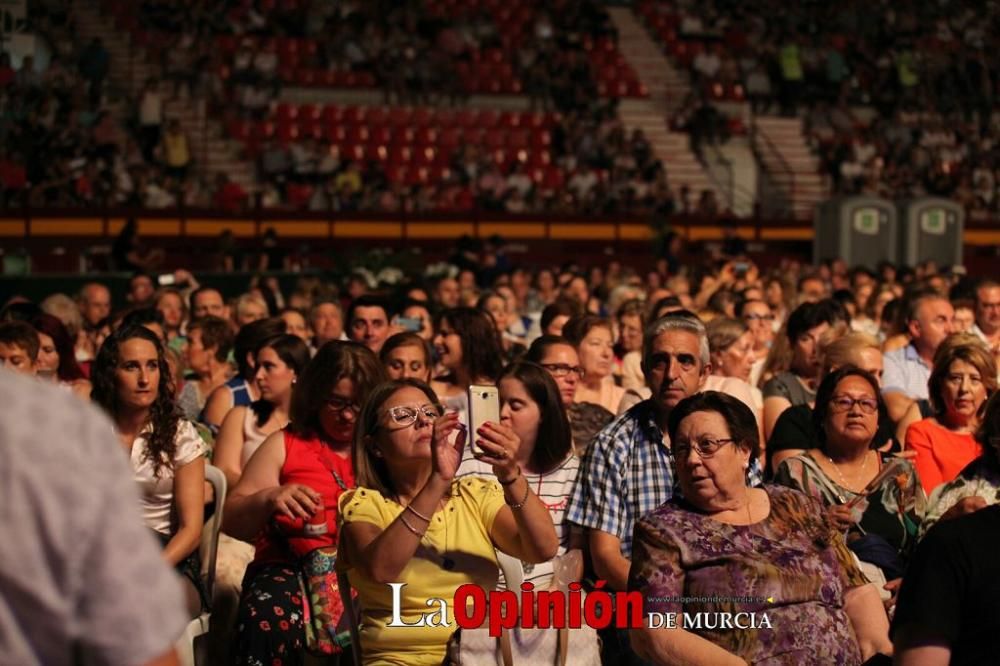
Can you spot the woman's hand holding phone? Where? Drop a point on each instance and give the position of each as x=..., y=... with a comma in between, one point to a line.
x=498, y=445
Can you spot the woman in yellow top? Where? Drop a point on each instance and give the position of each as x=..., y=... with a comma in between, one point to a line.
x=410, y=521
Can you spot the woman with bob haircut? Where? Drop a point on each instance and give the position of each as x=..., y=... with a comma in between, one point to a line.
x=133, y=385
x=412, y=521
x=295, y=473
x=963, y=378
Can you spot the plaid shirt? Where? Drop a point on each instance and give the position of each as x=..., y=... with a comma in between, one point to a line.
x=627, y=472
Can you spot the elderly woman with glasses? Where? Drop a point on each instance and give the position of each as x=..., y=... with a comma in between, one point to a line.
x=411, y=521
x=872, y=495
x=768, y=553
x=291, y=483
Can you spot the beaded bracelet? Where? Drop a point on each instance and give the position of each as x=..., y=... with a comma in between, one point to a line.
x=527, y=491
x=420, y=535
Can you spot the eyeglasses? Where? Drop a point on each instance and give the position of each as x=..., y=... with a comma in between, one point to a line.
x=759, y=317
x=846, y=404
x=706, y=447
x=561, y=369
x=341, y=406
x=405, y=415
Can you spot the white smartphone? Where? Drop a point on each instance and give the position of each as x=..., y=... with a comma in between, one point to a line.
x=484, y=405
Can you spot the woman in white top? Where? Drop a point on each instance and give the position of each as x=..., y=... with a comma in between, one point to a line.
x=279, y=361
x=133, y=385
x=595, y=344
x=531, y=406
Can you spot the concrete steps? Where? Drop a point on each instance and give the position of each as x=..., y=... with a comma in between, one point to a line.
x=804, y=186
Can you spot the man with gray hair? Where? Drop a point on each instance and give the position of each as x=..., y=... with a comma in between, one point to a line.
x=629, y=469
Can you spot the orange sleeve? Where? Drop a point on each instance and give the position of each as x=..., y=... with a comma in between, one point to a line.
x=918, y=439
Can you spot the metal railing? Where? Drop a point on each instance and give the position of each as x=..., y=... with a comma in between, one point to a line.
x=776, y=185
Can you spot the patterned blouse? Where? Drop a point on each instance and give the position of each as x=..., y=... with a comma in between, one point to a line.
x=893, y=512
x=980, y=478
x=789, y=566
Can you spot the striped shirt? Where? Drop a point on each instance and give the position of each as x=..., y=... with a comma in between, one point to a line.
x=554, y=489
x=626, y=473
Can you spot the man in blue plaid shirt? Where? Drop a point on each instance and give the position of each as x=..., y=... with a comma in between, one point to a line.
x=629, y=469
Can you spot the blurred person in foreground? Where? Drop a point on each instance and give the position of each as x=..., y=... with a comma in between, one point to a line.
x=72, y=500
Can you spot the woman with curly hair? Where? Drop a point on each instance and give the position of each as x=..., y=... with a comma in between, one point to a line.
x=132, y=383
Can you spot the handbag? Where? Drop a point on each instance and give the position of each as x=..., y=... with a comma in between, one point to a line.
x=521, y=646
x=322, y=603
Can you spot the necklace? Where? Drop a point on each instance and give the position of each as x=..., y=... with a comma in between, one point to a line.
x=843, y=479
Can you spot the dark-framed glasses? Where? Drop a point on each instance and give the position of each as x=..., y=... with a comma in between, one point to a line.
x=340, y=405
x=845, y=403
x=706, y=447
x=404, y=415
x=562, y=369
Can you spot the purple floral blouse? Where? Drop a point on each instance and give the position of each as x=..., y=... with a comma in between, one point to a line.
x=791, y=567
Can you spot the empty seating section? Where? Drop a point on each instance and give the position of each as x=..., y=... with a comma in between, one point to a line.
x=414, y=145
x=488, y=70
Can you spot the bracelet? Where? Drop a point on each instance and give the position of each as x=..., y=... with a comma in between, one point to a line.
x=409, y=507
x=510, y=481
x=527, y=491
x=420, y=535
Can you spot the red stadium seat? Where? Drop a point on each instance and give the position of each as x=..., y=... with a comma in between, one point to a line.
x=332, y=114
x=425, y=136
x=310, y=111
x=509, y=119
x=378, y=115
x=354, y=115
x=421, y=117
x=357, y=134
x=494, y=138
x=380, y=135
x=487, y=119
x=399, y=116
x=286, y=112
x=451, y=137
x=239, y=129
x=465, y=118
x=518, y=139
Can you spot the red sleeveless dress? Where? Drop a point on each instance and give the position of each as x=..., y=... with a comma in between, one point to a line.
x=312, y=463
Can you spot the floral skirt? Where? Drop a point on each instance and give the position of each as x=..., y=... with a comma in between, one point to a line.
x=269, y=626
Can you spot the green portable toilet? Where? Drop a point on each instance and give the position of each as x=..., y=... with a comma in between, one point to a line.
x=860, y=230
x=931, y=228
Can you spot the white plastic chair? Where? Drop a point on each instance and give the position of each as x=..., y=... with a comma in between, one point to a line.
x=208, y=550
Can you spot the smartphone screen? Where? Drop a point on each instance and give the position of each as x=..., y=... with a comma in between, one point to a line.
x=411, y=324
x=484, y=405
x=166, y=279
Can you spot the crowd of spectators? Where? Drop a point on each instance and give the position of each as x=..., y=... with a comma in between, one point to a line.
x=809, y=374
x=897, y=102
